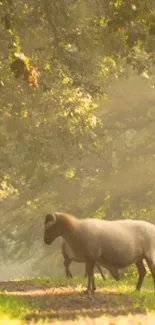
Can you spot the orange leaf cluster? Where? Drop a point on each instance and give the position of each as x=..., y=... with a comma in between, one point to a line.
x=30, y=75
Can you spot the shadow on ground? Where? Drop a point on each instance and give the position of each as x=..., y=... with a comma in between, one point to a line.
x=69, y=302
x=71, y=305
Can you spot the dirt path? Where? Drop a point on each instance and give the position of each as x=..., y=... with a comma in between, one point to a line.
x=68, y=305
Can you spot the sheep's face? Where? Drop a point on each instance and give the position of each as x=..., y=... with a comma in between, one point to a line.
x=50, y=229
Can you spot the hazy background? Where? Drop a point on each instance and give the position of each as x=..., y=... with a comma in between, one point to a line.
x=77, y=122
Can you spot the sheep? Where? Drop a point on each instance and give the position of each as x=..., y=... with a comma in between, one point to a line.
x=113, y=244
x=69, y=257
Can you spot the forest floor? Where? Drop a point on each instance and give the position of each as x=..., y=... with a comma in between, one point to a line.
x=60, y=301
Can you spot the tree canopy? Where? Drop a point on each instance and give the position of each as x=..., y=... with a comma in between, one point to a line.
x=73, y=136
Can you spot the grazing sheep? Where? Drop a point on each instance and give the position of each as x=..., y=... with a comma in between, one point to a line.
x=69, y=257
x=114, y=244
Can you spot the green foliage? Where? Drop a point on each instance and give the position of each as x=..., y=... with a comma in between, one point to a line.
x=132, y=272
x=130, y=210
x=56, y=151
x=101, y=213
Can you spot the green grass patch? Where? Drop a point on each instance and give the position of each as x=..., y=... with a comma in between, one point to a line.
x=61, y=298
x=61, y=282
x=13, y=305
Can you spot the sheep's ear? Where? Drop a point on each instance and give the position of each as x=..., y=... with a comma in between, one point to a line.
x=50, y=221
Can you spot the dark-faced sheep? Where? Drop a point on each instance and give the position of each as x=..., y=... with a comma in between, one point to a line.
x=113, y=244
x=69, y=257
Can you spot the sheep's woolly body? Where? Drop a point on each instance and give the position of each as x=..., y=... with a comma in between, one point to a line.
x=113, y=244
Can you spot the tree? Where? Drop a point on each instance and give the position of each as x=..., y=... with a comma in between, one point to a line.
x=57, y=60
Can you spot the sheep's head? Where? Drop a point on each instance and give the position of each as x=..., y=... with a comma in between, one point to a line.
x=50, y=229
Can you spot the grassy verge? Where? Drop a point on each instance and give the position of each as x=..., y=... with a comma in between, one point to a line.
x=63, y=300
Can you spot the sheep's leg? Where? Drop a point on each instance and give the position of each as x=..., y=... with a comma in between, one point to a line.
x=86, y=273
x=67, y=263
x=115, y=274
x=151, y=266
x=91, y=282
x=142, y=273
x=93, y=279
x=100, y=270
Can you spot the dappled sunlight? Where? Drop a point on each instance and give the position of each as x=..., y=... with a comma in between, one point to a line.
x=42, y=292
x=4, y=320
x=54, y=300
x=77, y=126
x=138, y=319
x=60, y=302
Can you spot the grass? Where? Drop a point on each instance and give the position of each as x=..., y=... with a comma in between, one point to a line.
x=13, y=306
x=62, y=300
